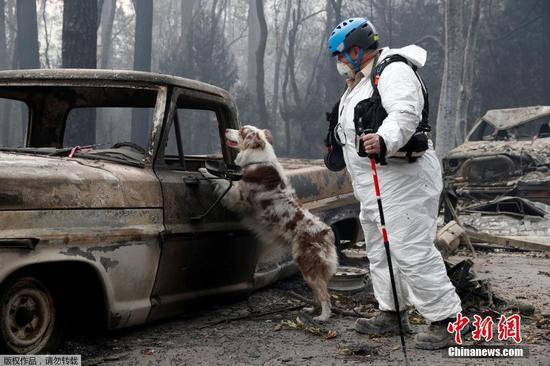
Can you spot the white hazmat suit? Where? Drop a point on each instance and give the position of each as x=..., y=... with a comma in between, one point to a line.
x=410, y=194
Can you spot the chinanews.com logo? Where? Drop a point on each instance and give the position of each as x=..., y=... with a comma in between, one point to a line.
x=508, y=329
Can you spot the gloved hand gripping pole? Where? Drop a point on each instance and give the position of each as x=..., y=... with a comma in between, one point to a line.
x=361, y=151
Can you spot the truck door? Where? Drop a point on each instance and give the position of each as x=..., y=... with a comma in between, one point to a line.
x=201, y=259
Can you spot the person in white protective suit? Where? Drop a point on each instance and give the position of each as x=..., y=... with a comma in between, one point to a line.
x=410, y=188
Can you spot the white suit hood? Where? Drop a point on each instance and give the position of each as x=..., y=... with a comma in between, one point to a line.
x=413, y=53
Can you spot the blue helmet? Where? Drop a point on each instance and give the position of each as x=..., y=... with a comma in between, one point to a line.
x=353, y=32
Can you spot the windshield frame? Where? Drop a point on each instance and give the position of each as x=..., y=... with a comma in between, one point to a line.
x=512, y=129
x=474, y=129
x=7, y=88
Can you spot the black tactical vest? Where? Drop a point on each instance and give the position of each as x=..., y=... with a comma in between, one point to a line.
x=369, y=113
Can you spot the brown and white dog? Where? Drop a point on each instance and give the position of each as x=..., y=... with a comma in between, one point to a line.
x=271, y=210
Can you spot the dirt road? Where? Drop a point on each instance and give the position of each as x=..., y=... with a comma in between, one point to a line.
x=264, y=330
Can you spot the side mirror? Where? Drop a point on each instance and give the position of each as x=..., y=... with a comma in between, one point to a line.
x=220, y=169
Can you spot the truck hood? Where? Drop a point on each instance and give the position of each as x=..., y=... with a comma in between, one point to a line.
x=38, y=182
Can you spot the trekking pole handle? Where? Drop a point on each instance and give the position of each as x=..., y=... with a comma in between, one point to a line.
x=360, y=146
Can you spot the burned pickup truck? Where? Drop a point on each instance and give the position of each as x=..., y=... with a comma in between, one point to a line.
x=103, y=214
x=507, y=153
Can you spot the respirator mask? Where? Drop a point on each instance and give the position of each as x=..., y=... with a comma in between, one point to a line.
x=344, y=69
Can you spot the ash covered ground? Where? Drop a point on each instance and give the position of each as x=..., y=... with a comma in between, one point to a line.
x=269, y=328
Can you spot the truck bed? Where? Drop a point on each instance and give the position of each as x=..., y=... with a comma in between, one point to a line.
x=313, y=181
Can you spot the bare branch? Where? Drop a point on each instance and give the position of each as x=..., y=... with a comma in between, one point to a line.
x=310, y=16
x=243, y=34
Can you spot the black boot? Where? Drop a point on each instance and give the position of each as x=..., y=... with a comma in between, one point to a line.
x=383, y=322
x=436, y=336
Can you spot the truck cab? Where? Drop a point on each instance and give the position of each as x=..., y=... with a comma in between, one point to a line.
x=101, y=203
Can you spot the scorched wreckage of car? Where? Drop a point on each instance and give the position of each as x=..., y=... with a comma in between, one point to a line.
x=104, y=215
x=507, y=152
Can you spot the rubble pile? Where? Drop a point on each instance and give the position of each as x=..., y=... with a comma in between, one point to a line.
x=532, y=220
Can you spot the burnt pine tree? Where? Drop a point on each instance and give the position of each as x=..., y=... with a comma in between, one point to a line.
x=3, y=44
x=79, y=44
x=452, y=76
x=545, y=48
x=27, y=35
x=260, y=73
x=108, y=11
x=253, y=41
x=142, y=62
x=144, y=32
x=4, y=109
x=79, y=50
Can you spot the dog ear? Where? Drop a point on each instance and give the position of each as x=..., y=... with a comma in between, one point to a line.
x=252, y=140
x=241, y=132
x=257, y=142
x=268, y=136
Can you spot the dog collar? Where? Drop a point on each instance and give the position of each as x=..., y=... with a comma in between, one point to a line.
x=256, y=162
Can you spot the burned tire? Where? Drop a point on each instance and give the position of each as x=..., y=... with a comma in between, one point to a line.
x=31, y=316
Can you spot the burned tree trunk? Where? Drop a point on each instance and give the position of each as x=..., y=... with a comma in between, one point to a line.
x=280, y=42
x=253, y=41
x=79, y=50
x=333, y=83
x=46, y=35
x=142, y=62
x=12, y=133
x=144, y=33
x=291, y=60
x=452, y=76
x=79, y=45
x=470, y=52
x=260, y=74
x=107, y=19
x=4, y=124
x=288, y=106
x=545, y=48
x=336, y=6
x=3, y=44
x=27, y=35
x=187, y=8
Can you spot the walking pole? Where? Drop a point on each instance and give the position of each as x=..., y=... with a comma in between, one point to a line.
x=361, y=131
x=388, y=256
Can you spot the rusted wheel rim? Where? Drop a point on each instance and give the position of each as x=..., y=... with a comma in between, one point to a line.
x=29, y=316
x=348, y=279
